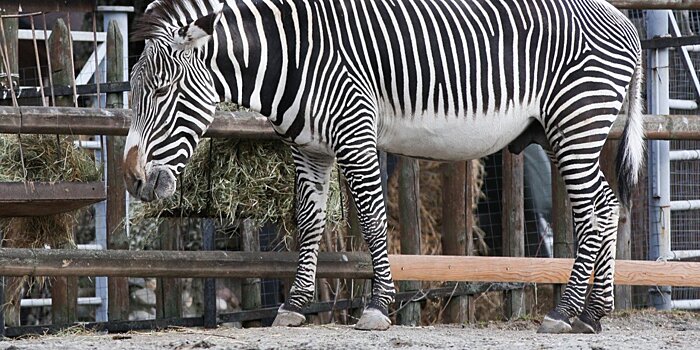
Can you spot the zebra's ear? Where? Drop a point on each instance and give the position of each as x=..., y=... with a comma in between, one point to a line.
x=196, y=33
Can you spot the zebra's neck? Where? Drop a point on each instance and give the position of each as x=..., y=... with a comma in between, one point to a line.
x=258, y=55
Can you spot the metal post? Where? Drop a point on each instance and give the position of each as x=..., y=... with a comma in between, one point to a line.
x=659, y=162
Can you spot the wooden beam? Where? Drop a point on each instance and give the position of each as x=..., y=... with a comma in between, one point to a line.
x=39, y=199
x=656, y=4
x=73, y=262
x=249, y=125
x=94, y=121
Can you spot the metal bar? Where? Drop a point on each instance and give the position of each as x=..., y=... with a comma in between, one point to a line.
x=47, y=302
x=94, y=145
x=67, y=90
x=25, y=34
x=683, y=254
x=692, y=304
x=685, y=205
x=682, y=104
x=659, y=163
x=684, y=155
x=89, y=246
x=687, y=62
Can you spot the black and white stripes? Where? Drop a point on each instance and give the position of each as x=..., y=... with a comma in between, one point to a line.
x=440, y=79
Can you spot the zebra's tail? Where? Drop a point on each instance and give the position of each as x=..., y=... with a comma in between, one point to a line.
x=630, y=154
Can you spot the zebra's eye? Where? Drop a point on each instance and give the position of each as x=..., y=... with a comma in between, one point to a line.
x=161, y=91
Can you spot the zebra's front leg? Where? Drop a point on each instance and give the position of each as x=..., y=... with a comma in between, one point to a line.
x=361, y=169
x=312, y=180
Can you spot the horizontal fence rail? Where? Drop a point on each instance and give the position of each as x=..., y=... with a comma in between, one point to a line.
x=181, y=264
x=656, y=4
x=249, y=125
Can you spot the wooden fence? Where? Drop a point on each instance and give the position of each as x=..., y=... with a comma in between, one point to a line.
x=350, y=265
x=179, y=264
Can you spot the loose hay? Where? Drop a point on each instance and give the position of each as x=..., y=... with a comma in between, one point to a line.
x=41, y=158
x=232, y=180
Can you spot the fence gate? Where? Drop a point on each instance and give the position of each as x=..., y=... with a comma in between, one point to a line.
x=668, y=210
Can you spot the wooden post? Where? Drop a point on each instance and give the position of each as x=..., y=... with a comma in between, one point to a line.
x=513, y=225
x=10, y=26
x=64, y=290
x=250, y=289
x=469, y=202
x=208, y=233
x=623, y=294
x=562, y=225
x=169, y=290
x=454, y=229
x=409, y=214
x=117, y=287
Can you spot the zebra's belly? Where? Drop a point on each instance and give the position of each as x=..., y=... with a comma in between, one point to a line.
x=451, y=137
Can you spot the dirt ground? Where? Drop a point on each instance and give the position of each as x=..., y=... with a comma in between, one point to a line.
x=636, y=330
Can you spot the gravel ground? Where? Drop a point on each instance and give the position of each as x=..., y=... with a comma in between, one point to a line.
x=637, y=330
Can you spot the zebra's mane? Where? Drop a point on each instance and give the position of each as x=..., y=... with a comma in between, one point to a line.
x=163, y=16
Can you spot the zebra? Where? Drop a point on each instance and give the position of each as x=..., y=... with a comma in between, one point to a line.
x=437, y=79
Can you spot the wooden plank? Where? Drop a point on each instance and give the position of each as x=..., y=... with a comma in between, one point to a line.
x=117, y=287
x=250, y=125
x=454, y=229
x=39, y=199
x=208, y=244
x=250, y=288
x=64, y=290
x=656, y=4
x=94, y=121
x=169, y=290
x=409, y=216
x=562, y=225
x=73, y=262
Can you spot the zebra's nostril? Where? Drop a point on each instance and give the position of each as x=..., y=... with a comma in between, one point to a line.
x=139, y=184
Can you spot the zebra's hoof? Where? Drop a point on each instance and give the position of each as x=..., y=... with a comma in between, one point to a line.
x=555, y=322
x=583, y=324
x=373, y=320
x=286, y=318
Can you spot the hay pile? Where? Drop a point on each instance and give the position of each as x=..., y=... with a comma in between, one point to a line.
x=40, y=158
x=232, y=180
x=44, y=158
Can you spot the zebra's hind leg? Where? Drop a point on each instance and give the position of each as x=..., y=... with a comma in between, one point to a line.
x=312, y=180
x=601, y=297
x=595, y=212
x=361, y=169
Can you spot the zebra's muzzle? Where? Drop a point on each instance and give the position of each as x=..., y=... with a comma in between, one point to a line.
x=160, y=183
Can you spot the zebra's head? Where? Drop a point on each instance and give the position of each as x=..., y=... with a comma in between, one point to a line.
x=173, y=100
